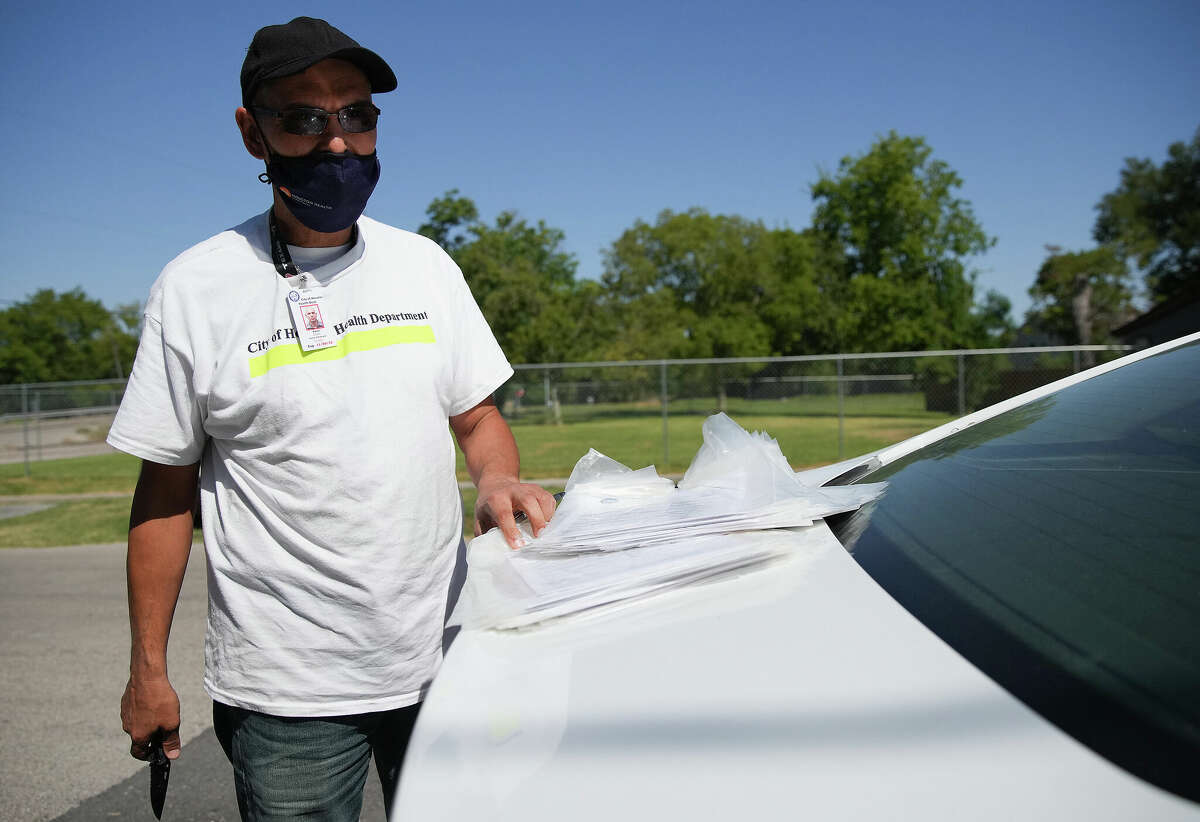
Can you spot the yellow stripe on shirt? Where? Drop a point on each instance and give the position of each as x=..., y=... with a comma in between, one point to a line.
x=351, y=342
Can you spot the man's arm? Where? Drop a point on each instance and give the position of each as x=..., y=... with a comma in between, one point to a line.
x=492, y=459
x=160, y=539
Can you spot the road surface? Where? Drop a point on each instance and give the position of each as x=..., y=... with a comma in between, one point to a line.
x=64, y=660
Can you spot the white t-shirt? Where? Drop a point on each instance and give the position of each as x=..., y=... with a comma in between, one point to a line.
x=331, y=510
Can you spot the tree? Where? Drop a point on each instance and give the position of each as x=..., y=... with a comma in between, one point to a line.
x=994, y=327
x=521, y=278
x=800, y=310
x=524, y=283
x=447, y=214
x=1080, y=297
x=1154, y=217
x=694, y=284
x=904, y=239
x=52, y=337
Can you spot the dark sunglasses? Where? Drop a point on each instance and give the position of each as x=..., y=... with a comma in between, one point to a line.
x=311, y=122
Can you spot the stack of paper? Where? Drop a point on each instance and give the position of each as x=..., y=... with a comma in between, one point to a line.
x=737, y=482
x=588, y=521
x=621, y=534
x=508, y=589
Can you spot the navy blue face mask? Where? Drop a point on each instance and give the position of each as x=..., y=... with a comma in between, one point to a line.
x=326, y=192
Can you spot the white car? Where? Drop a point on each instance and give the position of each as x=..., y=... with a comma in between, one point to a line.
x=1014, y=633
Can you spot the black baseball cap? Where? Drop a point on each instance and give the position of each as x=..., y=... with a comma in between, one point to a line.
x=290, y=48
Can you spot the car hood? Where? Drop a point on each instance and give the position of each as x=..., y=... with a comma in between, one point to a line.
x=800, y=688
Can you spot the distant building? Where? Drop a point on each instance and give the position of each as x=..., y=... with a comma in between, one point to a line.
x=1177, y=316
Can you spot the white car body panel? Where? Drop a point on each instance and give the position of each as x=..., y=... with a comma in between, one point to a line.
x=798, y=690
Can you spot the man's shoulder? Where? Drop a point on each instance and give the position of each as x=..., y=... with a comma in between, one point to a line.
x=401, y=240
x=215, y=269
x=246, y=242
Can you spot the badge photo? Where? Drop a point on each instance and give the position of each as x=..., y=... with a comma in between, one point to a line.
x=312, y=316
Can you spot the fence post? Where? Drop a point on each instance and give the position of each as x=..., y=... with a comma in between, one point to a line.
x=37, y=421
x=962, y=385
x=25, y=423
x=666, y=439
x=1075, y=361
x=841, y=413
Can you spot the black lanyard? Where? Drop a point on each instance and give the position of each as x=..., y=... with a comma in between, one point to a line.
x=279, y=250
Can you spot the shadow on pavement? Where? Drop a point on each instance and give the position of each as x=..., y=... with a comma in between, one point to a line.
x=200, y=790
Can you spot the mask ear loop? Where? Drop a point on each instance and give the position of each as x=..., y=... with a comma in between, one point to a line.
x=265, y=176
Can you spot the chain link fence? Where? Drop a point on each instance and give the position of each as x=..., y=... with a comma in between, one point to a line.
x=851, y=403
x=55, y=419
x=831, y=407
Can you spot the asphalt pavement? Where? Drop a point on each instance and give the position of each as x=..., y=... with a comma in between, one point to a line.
x=45, y=438
x=64, y=660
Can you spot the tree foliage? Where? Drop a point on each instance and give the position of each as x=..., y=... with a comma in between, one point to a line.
x=694, y=284
x=1153, y=217
x=992, y=320
x=51, y=337
x=884, y=267
x=447, y=218
x=691, y=284
x=522, y=279
x=905, y=239
x=1080, y=297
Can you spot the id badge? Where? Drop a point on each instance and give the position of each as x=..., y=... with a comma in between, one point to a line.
x=309, y=308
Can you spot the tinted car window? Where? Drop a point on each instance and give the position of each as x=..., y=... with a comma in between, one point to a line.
x=1055, y=547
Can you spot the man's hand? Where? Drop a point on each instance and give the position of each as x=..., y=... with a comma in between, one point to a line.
x=498, y=503
x=149, y=707
x=491, y=456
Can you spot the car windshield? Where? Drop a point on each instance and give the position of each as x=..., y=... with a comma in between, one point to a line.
x=1055, y=546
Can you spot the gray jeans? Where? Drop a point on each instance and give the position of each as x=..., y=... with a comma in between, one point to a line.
x=311, y=767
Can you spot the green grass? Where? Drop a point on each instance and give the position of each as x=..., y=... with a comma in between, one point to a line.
x=552, y=450
x=84, y=522
x=547, y=450
x=911, y=404
x=468, y=497
x=862, y=405
x=69, y=523
x=81, y=475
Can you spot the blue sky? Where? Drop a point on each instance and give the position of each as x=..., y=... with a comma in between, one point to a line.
x=123, y=150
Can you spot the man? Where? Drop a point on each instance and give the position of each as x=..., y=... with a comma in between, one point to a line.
x=330, y=507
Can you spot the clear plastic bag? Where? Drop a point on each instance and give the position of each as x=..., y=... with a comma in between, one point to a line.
x=620, y=533
x=737, y=482
x=596, y=474
x=752, y=465
x=600, y=485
